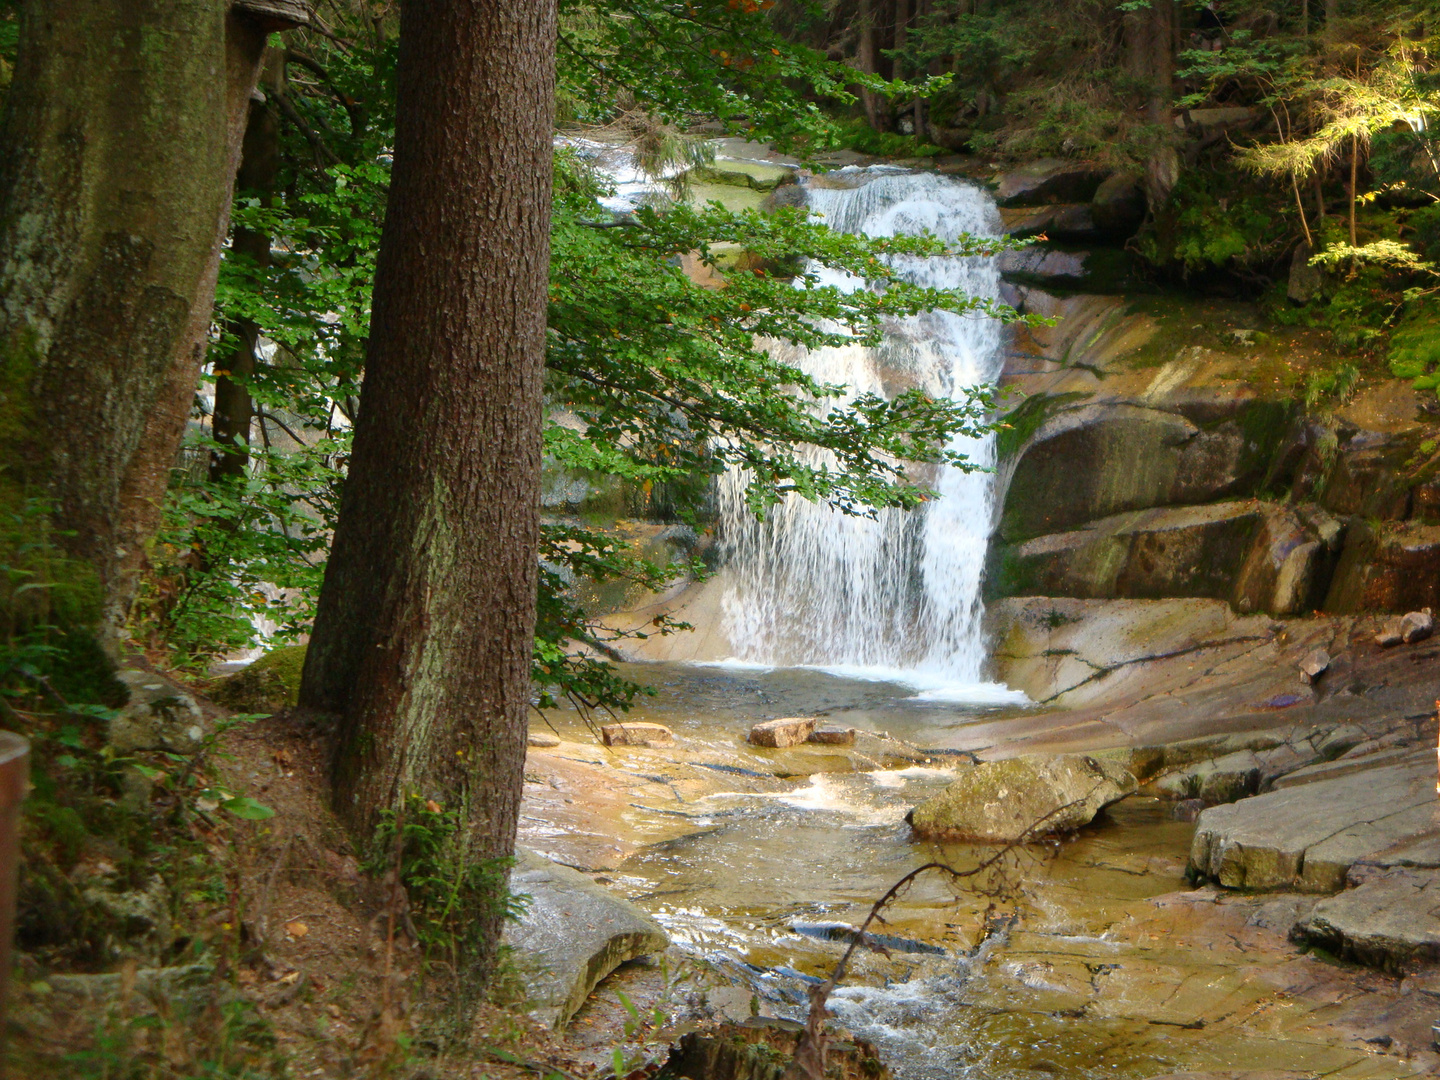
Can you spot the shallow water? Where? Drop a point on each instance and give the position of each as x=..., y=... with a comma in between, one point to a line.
x=1087, y=958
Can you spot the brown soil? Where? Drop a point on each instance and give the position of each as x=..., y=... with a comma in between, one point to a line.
x=303, y=936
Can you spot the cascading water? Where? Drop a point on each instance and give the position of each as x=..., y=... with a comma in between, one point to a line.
x=899, y=595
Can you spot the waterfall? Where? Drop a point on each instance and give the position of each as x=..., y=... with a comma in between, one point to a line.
x=897, y=596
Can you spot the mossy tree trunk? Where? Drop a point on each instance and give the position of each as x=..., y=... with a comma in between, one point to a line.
x=422, y=641
x=118, y=149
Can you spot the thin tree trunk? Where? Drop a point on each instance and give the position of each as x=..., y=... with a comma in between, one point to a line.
x=117, y=153
x=1354, y=183
x=259, y=165
x=422, y=642
x=1300, y=206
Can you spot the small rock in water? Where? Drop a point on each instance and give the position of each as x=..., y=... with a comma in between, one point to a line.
x=787, y=731
x=1187, y=809
x=542, y=739
x=833, y=736
x=1416, y=626
x=1313, y=666
x=637, y=734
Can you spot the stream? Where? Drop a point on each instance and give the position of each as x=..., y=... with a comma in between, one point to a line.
x=1085, y=958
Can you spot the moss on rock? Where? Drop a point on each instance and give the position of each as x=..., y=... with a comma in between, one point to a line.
x=269, y=684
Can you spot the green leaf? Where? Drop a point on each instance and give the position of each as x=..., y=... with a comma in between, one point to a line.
x=247, y=808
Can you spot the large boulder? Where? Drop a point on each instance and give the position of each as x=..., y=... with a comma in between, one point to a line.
x=1054, y=646
x=1307, y=837
x=1119, y=203
x=1067, y=222
x=1290, y=563
x=572, y=934
x=1368, y=477
x=1236, y=775
x=268, y=684
x=1387, y=566
x=1257, y=556
x=1086, y=463
x=158, y=716
x=636, y=733
x=1143, y=555
x=1022, y=798
x=1103, y=270
x=1049, y=180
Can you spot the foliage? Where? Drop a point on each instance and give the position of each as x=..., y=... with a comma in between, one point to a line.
x=1214, y=223
x=233, y=552
x=231, y=1042
x=653, y=381
x=420, y=845
x=1032, y=79
x=1415, y=349
x=854, y=133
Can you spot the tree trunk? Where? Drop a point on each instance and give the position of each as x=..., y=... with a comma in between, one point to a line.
x=422, y=642
x=865, y=60
x=902, y=28
x=1150, y=57
x=117, y=153
x=259, y=165
x=922, y=12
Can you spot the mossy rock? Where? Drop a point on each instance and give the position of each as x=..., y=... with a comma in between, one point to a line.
x=1415, y=350
x=269, y=684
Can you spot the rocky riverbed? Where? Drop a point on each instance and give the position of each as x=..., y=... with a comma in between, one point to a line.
x=1290, y=927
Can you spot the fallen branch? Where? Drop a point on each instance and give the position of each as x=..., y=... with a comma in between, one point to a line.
x=808, y=1061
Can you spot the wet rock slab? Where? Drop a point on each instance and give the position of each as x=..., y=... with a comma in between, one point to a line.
x=1307, y=837
x=1392, y=921
x=573, y=933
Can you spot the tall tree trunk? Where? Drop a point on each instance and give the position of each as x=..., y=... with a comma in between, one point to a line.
x=259, y=165
x=1150, y=57
x=117, y=153
x=922, y=12
x=865, y=60
x=422, y=642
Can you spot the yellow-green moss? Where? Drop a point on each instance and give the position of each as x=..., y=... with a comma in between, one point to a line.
x=269, y=684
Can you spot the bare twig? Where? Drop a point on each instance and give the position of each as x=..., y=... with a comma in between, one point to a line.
x=808, y=1061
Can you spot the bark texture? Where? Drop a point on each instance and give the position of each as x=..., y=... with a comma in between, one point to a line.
x=117, y=153
x=423, y=637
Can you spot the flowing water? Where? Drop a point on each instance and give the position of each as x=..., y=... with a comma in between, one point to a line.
x=897, y=595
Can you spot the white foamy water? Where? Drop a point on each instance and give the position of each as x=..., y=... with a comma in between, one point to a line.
x=896, y=598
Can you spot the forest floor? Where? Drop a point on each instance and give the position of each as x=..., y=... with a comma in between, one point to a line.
x=302, y=976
